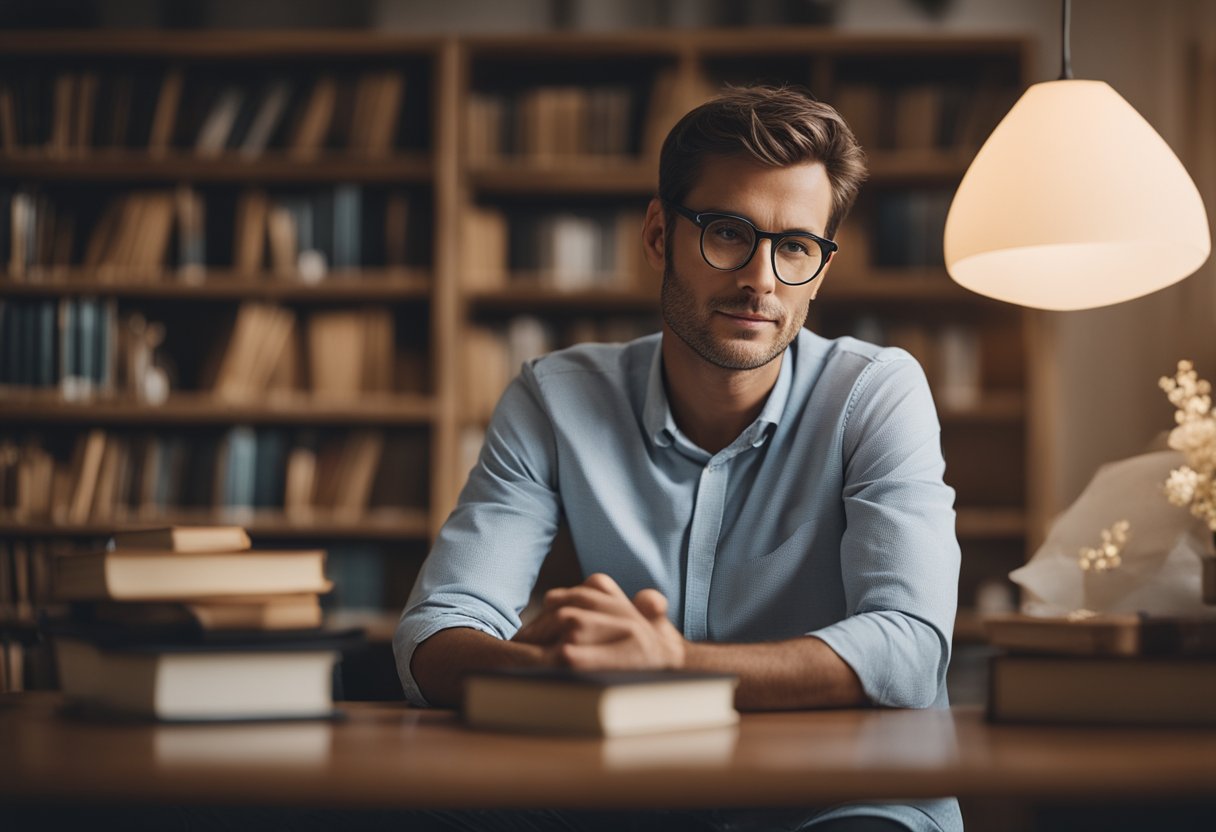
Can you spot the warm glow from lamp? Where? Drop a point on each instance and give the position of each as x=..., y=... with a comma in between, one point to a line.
x=1074, y=202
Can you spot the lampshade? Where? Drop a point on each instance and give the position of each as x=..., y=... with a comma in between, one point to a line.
x=1074, y=202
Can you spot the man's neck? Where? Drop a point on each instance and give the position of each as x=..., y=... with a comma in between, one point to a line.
x=712, y=405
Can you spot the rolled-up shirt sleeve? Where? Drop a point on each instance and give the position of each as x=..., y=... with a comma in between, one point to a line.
x=485, y=560
x=899, y=554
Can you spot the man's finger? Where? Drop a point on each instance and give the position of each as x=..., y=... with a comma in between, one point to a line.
x=544, y=629
x=651, y=603
x=581, y=626
x=588, y=598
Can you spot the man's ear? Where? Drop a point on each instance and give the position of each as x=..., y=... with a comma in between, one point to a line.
x=654, y=236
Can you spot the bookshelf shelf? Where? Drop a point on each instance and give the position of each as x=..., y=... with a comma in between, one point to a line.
x=220, y=45
x=205, y=409
x=886, y=287
x=993, y=408
x=532, y=298
x=582, y=177
x=140, y=166
x=385, y=525
x=990, y=523
x=386, y=285
x=918, y=166
x=969, y=627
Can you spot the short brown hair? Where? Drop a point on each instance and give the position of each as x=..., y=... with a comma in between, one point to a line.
x=776, y=126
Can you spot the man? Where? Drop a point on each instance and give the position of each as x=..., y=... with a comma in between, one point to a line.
x=744, y=495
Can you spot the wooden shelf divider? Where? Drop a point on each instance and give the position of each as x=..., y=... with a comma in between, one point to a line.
x=207, y=409
x=385, y=285
x=385, y=525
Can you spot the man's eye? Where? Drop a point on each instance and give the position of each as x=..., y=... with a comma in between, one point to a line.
x=796, y=247
x=728, y=233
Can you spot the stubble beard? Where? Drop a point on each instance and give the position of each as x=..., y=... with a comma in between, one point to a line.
x=693, y=326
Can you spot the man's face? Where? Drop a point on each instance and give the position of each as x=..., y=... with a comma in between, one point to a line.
x=742, y=320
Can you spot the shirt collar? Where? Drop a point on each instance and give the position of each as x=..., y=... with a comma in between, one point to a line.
x=661, y=425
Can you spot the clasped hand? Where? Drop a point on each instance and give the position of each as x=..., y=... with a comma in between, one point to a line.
x=596, y=626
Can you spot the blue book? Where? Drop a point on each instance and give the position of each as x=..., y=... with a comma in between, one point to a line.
x=7, y=324
x=347, y=224
x=46, y=344
x=240, y=468
x=86, y=346
x=271, y=446
x=69, y=363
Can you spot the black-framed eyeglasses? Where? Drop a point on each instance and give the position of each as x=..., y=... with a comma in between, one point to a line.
x=728, y=243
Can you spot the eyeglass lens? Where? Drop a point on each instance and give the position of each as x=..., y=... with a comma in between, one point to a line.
x=727, y=244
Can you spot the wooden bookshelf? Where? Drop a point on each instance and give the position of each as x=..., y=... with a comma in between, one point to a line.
x=382, y=525
x=206, y=409
x=591, y=176
x=134, y=166
x=363, y=285
x=437, y=169
x=528, y=297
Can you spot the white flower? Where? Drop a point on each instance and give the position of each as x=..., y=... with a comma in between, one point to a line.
x=1181, y=485
x=1195, y=436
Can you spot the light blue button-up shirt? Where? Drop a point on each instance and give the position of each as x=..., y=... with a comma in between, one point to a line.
x=827, y=516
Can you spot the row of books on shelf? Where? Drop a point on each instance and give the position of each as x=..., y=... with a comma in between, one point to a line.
x=908, y=228
x=300, y=235
x=74, y=113
x=563, y=250
x=950, y=354
x=334, y=354
x=113, y=476
x=85, y=348
x=920, y=116
x=77, y=345
x=552, y=123
x=493, y=354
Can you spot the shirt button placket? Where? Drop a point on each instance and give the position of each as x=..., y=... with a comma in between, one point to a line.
x=702, y=548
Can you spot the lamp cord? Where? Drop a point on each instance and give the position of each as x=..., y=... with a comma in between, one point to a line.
x=1065, y=48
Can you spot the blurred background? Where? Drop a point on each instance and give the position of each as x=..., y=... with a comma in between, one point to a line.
x=272, y=263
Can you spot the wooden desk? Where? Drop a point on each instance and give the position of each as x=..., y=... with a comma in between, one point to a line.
x=390, y=755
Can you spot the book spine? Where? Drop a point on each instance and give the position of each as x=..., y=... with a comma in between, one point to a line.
x=46, y=344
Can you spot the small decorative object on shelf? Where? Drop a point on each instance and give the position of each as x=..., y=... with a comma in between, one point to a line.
x=1193, y=484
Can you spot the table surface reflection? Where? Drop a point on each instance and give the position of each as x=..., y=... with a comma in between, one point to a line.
x=391, y=755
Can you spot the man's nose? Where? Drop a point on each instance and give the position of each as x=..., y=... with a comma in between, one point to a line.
x=757, y=276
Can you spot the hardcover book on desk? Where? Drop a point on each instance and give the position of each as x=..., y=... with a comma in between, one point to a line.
x=243, y=678
x=1108, y=669
x=602, y=703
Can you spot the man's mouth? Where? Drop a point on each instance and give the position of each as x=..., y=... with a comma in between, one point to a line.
x=747, y=317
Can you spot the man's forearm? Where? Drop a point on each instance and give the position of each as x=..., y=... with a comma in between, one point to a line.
x=440, y=663
x=781, y=675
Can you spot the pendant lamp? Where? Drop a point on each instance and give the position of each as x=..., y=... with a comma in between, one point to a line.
x=1074, y=202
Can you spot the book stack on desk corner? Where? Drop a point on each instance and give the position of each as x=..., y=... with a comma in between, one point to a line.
x=191, y=624
x=1108, y=669
x=608, y=703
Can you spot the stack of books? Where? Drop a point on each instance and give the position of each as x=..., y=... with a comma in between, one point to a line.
x=187, y=623
x=1106, y=669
